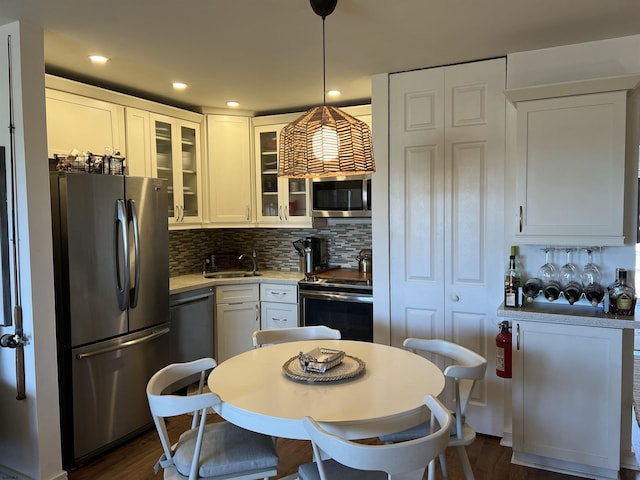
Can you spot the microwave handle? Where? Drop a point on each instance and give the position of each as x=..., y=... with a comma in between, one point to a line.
x=366, y=194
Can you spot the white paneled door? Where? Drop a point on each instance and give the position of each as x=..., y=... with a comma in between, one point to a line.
x=446, y=201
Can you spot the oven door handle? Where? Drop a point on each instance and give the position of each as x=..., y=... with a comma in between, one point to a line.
x=338, y=296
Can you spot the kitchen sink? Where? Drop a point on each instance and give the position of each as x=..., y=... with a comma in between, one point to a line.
x=231, y=274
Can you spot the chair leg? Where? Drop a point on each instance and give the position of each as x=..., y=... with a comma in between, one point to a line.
x=443, y=466
x=464, y=460
x=432, y=470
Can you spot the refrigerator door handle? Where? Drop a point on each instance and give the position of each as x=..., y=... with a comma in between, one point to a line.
x=120, y=346
x=136, y=246
x=122, y=274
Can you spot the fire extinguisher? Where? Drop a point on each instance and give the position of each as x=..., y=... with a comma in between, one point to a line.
x=503, y=350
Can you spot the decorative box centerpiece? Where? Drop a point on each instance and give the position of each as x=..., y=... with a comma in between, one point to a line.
x=320, y=359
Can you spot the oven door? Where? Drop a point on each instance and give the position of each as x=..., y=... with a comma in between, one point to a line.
x=351, y=313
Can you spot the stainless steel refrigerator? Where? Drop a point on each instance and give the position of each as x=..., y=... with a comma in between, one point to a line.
x=111, y=259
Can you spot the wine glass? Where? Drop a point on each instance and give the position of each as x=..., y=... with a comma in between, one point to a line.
x=570, y=280
x=549, y=276
x=593, y=289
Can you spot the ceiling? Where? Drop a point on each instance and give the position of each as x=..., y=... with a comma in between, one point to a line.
x=267, y=54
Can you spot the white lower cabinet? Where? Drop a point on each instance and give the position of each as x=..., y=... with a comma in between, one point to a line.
x=237, y=317
x=568, y=413
x=278, y=306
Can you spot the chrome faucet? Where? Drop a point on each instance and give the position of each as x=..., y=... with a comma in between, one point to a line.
x=254, y=261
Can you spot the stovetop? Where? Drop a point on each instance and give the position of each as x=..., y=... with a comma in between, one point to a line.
x=339, y=277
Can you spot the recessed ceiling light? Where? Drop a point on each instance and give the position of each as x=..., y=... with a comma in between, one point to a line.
x=333, y=93
x=179, y=85
x=232, y=103
x=98, y=59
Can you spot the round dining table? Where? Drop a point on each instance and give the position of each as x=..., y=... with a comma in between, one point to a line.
x=382, y=392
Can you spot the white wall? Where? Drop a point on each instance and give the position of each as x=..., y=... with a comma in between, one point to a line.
x=29, y=428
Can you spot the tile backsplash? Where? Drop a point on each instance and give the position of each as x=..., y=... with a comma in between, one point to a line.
x=273, y=246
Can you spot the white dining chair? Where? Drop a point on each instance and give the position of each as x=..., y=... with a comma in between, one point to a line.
x=466, y=368
x=207, y=450
x=291, y=334
x=336, y=457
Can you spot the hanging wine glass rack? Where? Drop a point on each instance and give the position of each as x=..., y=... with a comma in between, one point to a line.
x=551, y=296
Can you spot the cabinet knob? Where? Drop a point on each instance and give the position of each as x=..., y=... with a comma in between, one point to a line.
x=455, y=298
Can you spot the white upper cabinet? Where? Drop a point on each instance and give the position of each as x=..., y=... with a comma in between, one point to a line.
x=229, y=197
x=176, y=156
x=139, y=161
x=571, y=165
x=281, y=202
x=86, y=124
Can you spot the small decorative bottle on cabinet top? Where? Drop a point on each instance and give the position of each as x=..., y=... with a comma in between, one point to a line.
x=622, y=296
x=512, y=282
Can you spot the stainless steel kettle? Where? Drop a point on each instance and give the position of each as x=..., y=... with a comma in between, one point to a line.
x=364, y=259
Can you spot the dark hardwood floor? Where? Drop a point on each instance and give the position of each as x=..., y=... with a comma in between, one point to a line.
x=135, y=460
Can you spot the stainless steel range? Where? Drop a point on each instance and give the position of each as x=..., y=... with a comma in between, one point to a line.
x=340, y=299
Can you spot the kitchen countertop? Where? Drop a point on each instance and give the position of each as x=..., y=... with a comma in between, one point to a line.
x=569, y=314
x=184, y=283
x=352, y=274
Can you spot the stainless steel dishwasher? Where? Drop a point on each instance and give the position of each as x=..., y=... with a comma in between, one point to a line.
x=192, y=325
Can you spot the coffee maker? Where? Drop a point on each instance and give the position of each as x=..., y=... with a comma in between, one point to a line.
x=319, y=252
x=313, y=252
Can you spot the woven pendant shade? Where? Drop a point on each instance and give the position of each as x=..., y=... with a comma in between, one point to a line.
x=325, y=142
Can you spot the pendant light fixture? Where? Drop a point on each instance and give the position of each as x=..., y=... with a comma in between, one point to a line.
x=325, y=141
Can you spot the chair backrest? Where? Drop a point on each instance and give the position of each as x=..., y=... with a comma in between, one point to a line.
x=163, y=403
x=467, y=367
x=280, y=335
x=395, y=458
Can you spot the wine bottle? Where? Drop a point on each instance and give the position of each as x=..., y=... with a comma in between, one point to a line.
x=552, y=290
x=531, y=289
x=512, y=284
x=572, y=292
x=594, y=292
x=622, y=297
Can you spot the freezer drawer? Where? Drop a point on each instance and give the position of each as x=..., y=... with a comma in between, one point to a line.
x=109, y=397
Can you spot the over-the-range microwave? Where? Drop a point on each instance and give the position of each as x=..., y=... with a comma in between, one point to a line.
x=340, y=197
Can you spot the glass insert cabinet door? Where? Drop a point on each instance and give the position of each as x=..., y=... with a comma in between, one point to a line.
x=269, y=174
x=190, y=172
x=297, y=201
x=177, y=161
x=164, y=159
x=281, y=199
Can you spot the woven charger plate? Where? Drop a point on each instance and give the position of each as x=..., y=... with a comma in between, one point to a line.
x=348, y=368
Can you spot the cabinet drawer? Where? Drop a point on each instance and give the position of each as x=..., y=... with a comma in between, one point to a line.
x=278, y=315
x=278, y=293
x=237, y=293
